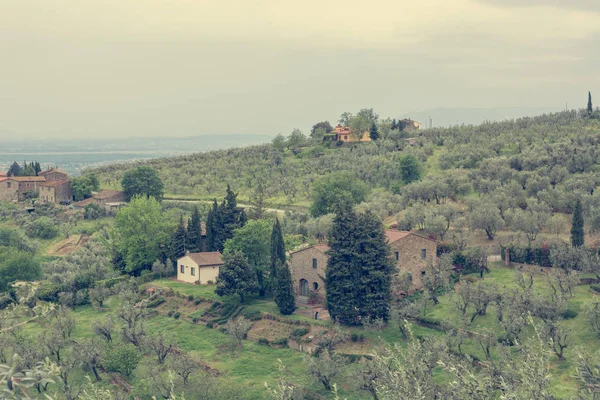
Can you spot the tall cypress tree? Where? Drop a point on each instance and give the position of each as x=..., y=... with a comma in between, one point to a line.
x=178, y=241
x=277, y=249
x=210, y=227
x=590, y=108
x=372, y=269
x=194, y=232
x=228, y=217
x=339, y=273
x=374, y=132
x=577, y=234
x=283, y=290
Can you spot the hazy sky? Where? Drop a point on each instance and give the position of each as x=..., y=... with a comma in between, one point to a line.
x=185, y=67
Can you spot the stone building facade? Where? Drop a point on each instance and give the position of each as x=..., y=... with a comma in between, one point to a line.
x=55, y=191
x=412, y=254
x=54, y=174
x=307, y=267
x=9, y=189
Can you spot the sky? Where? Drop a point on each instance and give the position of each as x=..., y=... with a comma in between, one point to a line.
x=115, y=68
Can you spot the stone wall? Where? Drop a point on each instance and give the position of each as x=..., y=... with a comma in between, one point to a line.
x=410, y=258
x=9, y=190
x=301, y=267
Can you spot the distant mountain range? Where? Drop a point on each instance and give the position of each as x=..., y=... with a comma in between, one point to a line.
x=442, y=117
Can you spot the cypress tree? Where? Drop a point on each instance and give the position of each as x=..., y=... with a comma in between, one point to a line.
x=277, y=249
x=339, y=273
x=373, y=269
x=210, y=227
x=374, y=132
x=194, y=232
x=178, y=241
x=590, y=108
x=228, y=217
x=577, y=234
x=283, y=289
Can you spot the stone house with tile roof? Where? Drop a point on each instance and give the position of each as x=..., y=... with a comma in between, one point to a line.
x=54, y=174
x=199, y=267
x=411, y=252
x=9, y=189
x=56, y=191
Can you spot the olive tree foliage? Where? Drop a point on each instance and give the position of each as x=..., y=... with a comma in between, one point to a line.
x=336, y=188
x=530, y=221
x=485, y=216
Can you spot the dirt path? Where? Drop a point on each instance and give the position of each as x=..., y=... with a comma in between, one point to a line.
x=69, y=245
x=277, y=210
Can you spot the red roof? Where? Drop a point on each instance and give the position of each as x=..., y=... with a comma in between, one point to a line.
x=394, y=235
x=2, y=174
x=54, y=183
x=105, y=194
x=84, y=203
x=206, y=259
x=322, y=247
x=29, y=178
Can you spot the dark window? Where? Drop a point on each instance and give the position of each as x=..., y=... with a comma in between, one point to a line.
x=8, y=185
x=423, y=253
x=422, y=273
x=182, y=269
x=345, y=137
x=315, y=286
x=315, y=263
x=397, y=255
x=193, y=271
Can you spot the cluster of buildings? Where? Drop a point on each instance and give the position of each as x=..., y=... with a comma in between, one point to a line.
x=108, y=200
x=345, y=134
x=52, y=185
x=411, y=253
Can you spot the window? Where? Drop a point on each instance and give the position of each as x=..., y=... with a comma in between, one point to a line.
x=182, y=269
x=315, y=286
x=422, y=273
x=193, y=271
x=345, y=137
x=423, y=253
x=397, y=255
x=8, y=185
x=315, y=263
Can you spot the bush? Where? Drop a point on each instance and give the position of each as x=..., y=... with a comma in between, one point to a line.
x=595, y=288
x=43, y=228
x=251, y=314
x=210, y=325
x=177, y=315
x=280, y=342
x=263, y=341
x=569, y=313
x=156, y=302
x=170, y=313
x=5, y=301
x=190, y=297
x=122, y=359
x=298, y=333
x=195, y=320
x=197, y=301
x=48, y=291
x=469, y=279
x=357, y=337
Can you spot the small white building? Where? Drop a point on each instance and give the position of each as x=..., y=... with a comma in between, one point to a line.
x=199, y=267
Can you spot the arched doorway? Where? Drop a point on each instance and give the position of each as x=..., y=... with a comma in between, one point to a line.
x=303, y=287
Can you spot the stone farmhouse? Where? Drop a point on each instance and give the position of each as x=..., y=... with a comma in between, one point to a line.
x=344, y=134
x=199, y=267
x=408, y=124
x=411, y=252
x=52, y=185
x=109, y=200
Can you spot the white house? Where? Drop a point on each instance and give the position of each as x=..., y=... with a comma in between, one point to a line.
x=199, y=267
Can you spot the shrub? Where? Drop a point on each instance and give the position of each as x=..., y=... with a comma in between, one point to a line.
x=595, y=288
x=210, y=282
x=210, y=325
x=123, y=359
x=195, y=320
x=43, y=228
x=357, y=337
x=190, y=297
x=469, y=279
x=251, y=314
x=197, y=301
x=298, y=333
x=5, y=301
x=569, y=313
x=156, y=302
x=176, y=315
x=170, y=313
x=280, y=342
x=263, y=341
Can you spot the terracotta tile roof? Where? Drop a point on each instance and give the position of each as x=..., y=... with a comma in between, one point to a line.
x=2, y=174
x=207, y=258
x=105, y=194
x=83, y=203
x=29, y=178
x=49, y=171
x=322, y=247
x=55, y=183
x=395, y=235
